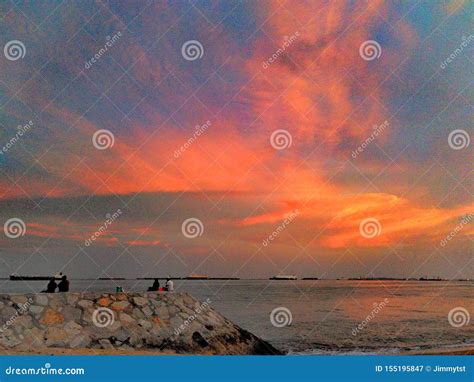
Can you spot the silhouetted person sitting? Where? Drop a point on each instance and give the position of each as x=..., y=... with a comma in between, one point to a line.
x=155, y=287
x=51, y=287
x=63, y=286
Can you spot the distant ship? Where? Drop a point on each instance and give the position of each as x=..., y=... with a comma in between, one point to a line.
x=195, y=276
x=21, y=278
x=284, y=277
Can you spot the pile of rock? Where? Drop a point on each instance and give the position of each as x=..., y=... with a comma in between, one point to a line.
x=173, y=322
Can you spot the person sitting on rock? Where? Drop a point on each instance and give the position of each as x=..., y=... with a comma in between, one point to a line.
x=155, y=287
x=169, y=286
x=63, y=286
x=51, y=287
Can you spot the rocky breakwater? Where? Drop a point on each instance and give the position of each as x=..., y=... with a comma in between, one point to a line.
x=130, y=322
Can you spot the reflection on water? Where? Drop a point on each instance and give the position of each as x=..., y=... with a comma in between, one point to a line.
x=325, y=314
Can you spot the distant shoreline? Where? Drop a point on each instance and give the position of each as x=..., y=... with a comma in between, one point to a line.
x=42, y=278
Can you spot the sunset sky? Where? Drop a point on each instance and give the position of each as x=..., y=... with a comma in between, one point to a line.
x=197, y=137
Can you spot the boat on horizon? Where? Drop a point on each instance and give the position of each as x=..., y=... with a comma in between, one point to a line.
x=30, y=278
x=284, y=277
x=195, y=276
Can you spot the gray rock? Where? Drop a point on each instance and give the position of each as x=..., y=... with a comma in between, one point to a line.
x=176, y=322
x=23, y=322
x=55, y=336
x=105, y=344
x=7, y=313
x=10, y=341
x=120, y=305
x=140, y=301
x=85, y=304
x=36, y=309
x=147, y=311
x=41, y=299
x=122, y=335
x=145, y=324
x=73, y=328
x=162, y=312
x=19, y=299
x=72, y=299
x=127, y=319
x=137, y=313
x=81, y=341
x=71, y=313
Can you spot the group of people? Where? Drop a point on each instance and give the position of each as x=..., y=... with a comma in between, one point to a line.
x=169, y=286
x=63, y=285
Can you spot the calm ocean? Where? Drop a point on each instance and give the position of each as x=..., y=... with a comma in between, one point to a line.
x=327, y=316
